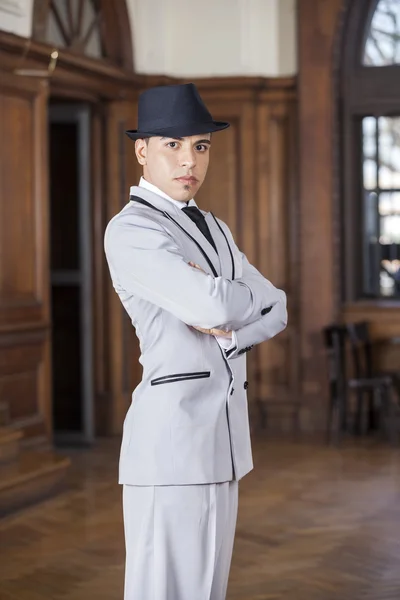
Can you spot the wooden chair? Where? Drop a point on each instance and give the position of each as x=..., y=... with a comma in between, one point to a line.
x=377, y=406
x=334, y=340
x=375, y=402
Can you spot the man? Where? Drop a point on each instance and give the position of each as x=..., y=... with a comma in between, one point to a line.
x=197, y=306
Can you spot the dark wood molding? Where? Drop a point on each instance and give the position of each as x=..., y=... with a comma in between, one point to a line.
x=99, y=78
x=82, y=77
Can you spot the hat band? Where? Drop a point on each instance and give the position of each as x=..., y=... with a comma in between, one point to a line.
x=184, y=125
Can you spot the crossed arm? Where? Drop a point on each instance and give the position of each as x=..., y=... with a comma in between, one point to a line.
x=145, y=261
x=272, y=321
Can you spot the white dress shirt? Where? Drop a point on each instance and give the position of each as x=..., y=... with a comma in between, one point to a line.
x=227, y=343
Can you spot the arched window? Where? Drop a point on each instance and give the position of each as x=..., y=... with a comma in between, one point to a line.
x=382, y=45
x=370, y=111
x=95, y=28
x=76, y=24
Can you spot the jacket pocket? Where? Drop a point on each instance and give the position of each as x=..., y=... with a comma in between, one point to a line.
x=180, y=377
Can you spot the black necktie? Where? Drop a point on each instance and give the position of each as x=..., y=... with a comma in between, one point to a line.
x=198, y=218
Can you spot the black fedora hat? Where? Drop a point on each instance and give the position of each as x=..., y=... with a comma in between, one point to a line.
x=173, y=111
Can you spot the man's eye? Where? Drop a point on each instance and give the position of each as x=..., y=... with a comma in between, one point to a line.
x=172, y=144
x=201, y=148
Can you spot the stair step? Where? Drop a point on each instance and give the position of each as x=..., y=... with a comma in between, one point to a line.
x=9, y=444
x=34, y=476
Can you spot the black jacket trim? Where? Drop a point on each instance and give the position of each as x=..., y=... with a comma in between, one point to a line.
x=141, y=201
x=229, y=247
x=180, y=377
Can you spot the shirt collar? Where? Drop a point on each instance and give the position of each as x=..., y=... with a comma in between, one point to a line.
x=152, y=188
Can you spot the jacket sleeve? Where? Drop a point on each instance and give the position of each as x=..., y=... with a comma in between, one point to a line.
x=272, y=321
x=145, y=261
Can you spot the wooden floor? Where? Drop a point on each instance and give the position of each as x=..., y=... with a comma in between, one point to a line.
x=315, y=523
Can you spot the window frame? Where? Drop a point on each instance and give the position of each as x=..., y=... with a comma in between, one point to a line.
x=360, y=95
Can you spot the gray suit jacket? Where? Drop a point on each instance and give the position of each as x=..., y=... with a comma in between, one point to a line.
x=188, y=421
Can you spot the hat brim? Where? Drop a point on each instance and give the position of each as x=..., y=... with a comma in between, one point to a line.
x=179, y=130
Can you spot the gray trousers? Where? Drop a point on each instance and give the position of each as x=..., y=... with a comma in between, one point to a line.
x=179, y=540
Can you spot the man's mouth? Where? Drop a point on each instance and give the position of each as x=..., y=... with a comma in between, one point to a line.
x=187, y=179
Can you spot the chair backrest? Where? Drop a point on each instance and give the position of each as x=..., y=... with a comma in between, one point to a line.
x=334, y=340
x=361, y=349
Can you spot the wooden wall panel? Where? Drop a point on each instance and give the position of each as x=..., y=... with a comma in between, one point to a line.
x=24, y=382
x=17, y=236
x=123, y=349
x=24, y=294
x=220, y=192
x=230, y=187
x=277, y=368
x=23, y=216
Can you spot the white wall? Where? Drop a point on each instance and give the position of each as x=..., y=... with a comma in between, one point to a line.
x=16, y=16
x=214, y=37
x=198, y=38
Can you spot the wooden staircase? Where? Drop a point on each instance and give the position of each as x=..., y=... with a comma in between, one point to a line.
x=26, y=475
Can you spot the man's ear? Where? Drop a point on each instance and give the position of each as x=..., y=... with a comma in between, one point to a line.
x=141, y=151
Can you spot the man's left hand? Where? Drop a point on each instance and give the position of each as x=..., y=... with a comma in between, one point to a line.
x=219, y=332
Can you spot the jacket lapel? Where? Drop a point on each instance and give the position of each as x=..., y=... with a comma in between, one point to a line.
x=225, y=251
x=182, y=221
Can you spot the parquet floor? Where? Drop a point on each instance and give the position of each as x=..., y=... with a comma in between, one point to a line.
x=315, y=523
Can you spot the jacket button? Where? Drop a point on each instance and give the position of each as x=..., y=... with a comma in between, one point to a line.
x=265, y=311
x=246, y=385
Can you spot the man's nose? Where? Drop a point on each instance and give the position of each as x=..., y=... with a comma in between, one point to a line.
x=188, y=158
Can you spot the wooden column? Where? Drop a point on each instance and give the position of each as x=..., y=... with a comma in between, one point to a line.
x=317, y=20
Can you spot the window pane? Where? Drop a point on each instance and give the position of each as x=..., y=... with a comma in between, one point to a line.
x=381, y=207
x=389, y=152
x=371, y=259
x=389, y=212
x=383, y=42
x=369, y=125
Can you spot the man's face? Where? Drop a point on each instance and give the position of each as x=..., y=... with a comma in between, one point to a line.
x=177, y=166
